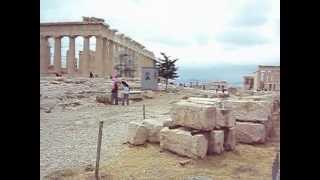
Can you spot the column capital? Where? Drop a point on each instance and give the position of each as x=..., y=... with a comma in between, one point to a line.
x=72, y=37
x=44, y=37
x=57, y=37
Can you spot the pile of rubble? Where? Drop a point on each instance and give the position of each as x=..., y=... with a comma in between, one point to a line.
x=204, y=126
x=194, y=130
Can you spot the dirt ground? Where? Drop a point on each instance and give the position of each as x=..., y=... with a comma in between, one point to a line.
x=68, y=138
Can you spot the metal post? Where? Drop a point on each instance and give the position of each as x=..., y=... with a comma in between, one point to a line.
x=144, y=112
x=98, y=150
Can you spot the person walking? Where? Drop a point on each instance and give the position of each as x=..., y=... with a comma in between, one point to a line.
x=114, y=93
x=126, y=90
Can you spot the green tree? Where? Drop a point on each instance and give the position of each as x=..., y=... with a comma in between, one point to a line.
x=167, y=68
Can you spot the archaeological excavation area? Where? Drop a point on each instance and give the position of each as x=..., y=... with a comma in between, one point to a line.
x=187, y=132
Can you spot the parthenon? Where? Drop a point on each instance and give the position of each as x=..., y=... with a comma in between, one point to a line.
x=114, y=50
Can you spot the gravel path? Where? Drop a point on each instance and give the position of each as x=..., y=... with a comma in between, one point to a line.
x=68, y=137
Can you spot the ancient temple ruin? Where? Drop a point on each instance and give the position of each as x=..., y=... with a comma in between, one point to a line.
x=266, y=78
x=114, y=51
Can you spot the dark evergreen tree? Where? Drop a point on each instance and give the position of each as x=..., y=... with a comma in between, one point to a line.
x=167, y=68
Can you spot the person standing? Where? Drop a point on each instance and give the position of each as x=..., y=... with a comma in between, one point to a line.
x=126, y=90
x=114, y=93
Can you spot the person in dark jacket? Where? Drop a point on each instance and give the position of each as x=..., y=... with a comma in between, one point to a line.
x=114, y=93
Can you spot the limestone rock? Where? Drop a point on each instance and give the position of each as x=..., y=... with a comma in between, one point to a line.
x=250, y=133
x=55, y=82
x=135, y=95
x=106, y=98
x=48, y=104
x=215, y=142
x=249, y=110
x=153, y=126
x=192, y=115
x=137, y=133
x=183, y=143
x=230, y=139
x=148, y=94
x=167, y=122
x=224, y=118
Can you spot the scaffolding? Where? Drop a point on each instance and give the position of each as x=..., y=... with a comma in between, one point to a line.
x=126, y=66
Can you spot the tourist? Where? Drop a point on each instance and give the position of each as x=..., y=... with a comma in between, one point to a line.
x=114, y=93
x=126, y=90
x=91, y=75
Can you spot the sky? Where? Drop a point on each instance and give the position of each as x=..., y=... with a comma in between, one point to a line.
x=200, y=33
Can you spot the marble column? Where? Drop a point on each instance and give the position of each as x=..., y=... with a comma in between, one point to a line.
x=84, y=63
x=57, y=54
x=104, y=56
x=44, y=55
x=111, y=61
x=71, y=63
x=109, y=58
x=99, y=56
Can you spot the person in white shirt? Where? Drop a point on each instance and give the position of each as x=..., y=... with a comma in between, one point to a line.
x=126, y=90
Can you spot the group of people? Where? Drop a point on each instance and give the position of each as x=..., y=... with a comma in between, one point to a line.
x=114, y=92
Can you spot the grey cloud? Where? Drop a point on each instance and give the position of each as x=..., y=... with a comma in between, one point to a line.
x=169, y=41
x=202, y=39
x=242, y=38
x=252, y=14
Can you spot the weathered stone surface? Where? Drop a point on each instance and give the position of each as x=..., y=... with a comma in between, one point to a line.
x=249, y=110
x=275, y=131
x=148, y=94
x=250, y=133
x=48, y=104
x=153, y=126
x=106, y=98
x=137, y=133
x=192, y=115
x=167, y=122
x=215, y=142
x=135, y=95
x=224, y=118
x=230, y=139
x=183, y=143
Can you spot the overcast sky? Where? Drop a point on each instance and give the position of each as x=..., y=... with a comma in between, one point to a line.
x=199, y=33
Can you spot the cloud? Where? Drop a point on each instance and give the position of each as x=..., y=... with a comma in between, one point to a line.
x=242, y=38
x=252, y=13
x=198, y=33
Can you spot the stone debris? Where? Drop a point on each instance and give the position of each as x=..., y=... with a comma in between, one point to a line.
x=215, y=142
x=137, y=133
x=167, y=122
x=224, y=118
x=249, y=110
x=106, y=99
x=148, y=94
x=197, y=116
x=135, y=95
x=183, y=143
x=230, y=139
x=184, y=162
x=250, y=133
x=153, y=127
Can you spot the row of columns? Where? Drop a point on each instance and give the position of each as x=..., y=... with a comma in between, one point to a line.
x=105, y=49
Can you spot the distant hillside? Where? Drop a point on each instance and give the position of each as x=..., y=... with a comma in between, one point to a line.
x=231, y=73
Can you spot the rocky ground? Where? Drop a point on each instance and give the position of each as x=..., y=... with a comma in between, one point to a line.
x=69, y=117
